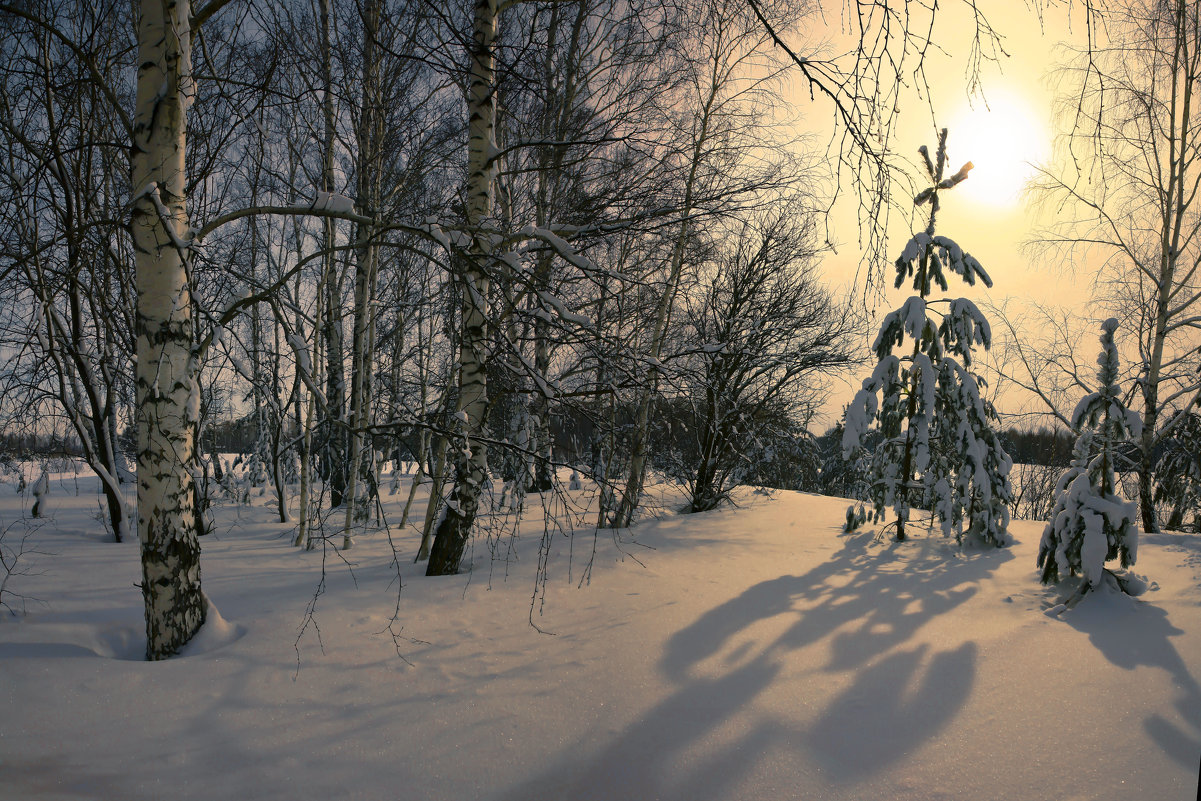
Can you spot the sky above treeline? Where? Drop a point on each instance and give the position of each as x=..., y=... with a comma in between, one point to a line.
x=1006, y=126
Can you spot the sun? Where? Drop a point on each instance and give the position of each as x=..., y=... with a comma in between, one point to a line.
x=1003, y=140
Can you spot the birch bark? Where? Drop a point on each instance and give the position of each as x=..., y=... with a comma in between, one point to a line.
x=369, y=136
x=167, y=394
x=454, y=529
x=333, y=447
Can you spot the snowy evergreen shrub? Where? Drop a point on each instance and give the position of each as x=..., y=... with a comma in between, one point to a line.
x=1091, y=524
x=937, y=449
x=1179, y=474
x=842, y=476
x=856, y=517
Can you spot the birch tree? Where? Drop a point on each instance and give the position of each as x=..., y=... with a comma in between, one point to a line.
x=450, y=538
x=168, y=397
x=368, y=136
x=579, y=146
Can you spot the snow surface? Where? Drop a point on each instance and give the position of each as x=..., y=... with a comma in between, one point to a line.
x=749, y=653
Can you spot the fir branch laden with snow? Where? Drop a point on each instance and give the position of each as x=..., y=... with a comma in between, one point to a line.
x=1091, y=524
x=937, y=449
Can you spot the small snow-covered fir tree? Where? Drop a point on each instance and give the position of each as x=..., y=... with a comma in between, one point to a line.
x=937, y=448
x=1091, y=524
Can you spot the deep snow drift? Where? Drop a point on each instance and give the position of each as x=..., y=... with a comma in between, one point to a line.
x=749, y=653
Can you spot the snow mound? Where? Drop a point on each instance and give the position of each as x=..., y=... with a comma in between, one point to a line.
x=117, y=641
x=216, y=633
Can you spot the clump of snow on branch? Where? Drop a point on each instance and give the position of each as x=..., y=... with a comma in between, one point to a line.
x=332, y=201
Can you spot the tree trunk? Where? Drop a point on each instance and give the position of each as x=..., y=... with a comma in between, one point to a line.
x=1175, y=208
x=1146, y=490
x=369, y=135
x=167, y=393
x=472, y=461
x=306, y=408
x=539, y=411
x=432, y=506
x=555, y=127
x=332, y=460
x=306, y=449
x=418, y=474
x=632, y=495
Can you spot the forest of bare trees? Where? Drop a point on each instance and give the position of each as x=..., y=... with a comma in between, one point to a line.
x=368, y=231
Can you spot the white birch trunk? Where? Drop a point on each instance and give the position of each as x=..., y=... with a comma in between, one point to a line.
x=369, y=137
x=333, y=448
x=167, y=394
x=632, y=495
x=472, y=463
x=320, y=327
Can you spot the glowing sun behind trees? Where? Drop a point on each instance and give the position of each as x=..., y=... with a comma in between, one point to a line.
x=1011, y=133
x=936, y=448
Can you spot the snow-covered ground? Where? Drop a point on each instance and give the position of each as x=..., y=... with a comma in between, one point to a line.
x=749, y=653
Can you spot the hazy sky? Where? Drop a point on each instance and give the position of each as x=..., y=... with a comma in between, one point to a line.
x=986, y=214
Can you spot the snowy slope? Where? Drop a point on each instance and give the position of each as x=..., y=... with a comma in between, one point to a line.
x=750, y=653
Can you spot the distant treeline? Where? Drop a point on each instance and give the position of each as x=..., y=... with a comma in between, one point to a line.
x=1045, y=446
x=17, y=446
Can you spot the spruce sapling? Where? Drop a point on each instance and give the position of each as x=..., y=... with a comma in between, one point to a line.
x=1091, y=524
x=937, y=448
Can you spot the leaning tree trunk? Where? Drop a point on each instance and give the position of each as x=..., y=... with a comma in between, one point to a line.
x=434, y=504
x=471, y=469
x=631, y=496
x=167, y=394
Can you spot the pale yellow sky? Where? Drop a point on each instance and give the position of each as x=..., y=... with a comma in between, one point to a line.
x=1016, y=125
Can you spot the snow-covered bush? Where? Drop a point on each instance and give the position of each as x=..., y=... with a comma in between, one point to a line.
x=1091, y=523
x=41, y=488
x=937, y=449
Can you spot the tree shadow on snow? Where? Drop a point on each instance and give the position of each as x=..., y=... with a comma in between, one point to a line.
x=892, y=707
x=636, y=763
x=1130, y=633
x=737, y=671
